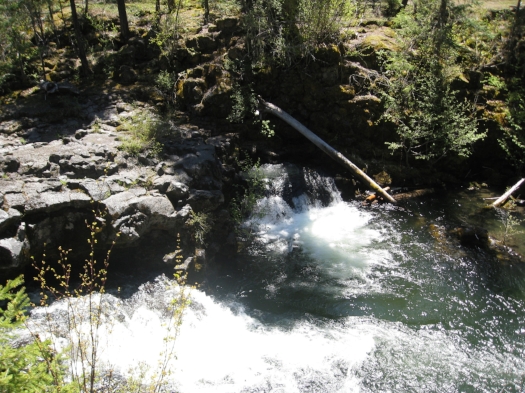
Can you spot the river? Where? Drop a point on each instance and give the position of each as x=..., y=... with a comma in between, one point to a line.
x=331, y=296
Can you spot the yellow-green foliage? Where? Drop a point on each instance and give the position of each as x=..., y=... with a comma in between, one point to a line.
x=86, y=311
x=431, y=121
x=280, y=32
x=200, y=224
x=383, y=39
x=143, y=131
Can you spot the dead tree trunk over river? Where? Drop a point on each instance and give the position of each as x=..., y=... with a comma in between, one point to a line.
x=334, y=154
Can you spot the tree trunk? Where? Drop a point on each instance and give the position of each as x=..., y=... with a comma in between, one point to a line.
x=501, y=200
x=123, y=16
x=330, y=151
x=206, y=12
x=443, y=13
x=86, y=70
x=52, y=20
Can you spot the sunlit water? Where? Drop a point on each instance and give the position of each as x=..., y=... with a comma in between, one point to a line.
x=334, y=297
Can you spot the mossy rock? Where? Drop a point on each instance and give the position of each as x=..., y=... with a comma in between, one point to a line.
x=329, y=54
x=50, y=63
x=191, y=90
x=339, y=93
x=383, y=178
x=202, y=43
x=381, y=39
x=330, y=75
x=227, y=25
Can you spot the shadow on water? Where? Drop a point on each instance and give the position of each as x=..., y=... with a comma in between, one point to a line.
x=408, y=271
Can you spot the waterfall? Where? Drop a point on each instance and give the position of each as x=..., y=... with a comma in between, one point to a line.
x=329, y=298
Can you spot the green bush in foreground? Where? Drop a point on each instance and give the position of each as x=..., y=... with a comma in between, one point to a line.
x=32, y=367
x=70, y=360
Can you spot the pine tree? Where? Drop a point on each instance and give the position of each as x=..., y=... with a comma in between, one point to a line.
x=32, y=367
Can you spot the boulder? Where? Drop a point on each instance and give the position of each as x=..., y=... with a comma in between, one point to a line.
x=204, y=200
x=185, y=265
x=472, y=236
x=203, y=43
x=97, y=190
x=79, y=134
x=13, y=250
x=11, y=254
x=48, y=202
x=9, y=219
x=127, y=75
x=177, y=192
x=9, y=164
x=139, y=45
x=134, y=215
x=191, y=90
x=173, y=257
x=217, y=100
x=227, y=25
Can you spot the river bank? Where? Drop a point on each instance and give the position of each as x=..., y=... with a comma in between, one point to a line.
x=75, y=154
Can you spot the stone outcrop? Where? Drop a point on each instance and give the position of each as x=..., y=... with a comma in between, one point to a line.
x=50, y=184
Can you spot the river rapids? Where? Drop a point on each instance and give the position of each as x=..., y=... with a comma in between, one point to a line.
x=327, y=297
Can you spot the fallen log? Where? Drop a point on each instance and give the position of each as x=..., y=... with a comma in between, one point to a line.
x=501, y=200
x=413, y=194
x=330, y=151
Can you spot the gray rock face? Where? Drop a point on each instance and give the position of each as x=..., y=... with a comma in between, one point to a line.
x=204, y=200
x=9, y=164
x=53, y=187
x=10, y=253
x=13, y=250
x=8, y=218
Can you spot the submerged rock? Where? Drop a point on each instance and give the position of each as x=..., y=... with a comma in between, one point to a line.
x=472, y=236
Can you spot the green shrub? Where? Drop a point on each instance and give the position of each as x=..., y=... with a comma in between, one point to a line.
x=200, y=224
x=165, y=82
x=243, y=205
x=31, y=367
x=513, y=140
x=431, y=121
x=281, y=32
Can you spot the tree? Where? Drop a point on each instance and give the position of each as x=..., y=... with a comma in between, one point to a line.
x=33, y=9
x=86, y=69
x=281, y=32
x=123, y=17
x=430, y=119
x=33, y=367
x=14, y=42
x=206, y=11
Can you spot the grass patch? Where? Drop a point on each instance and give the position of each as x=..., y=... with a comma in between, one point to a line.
x=497, y=4
x=491, y=4
x=143, y=130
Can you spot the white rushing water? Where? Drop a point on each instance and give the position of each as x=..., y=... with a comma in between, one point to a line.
x=222, y=345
